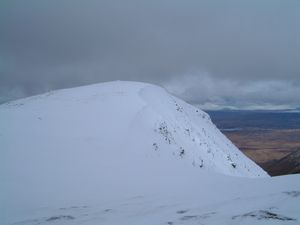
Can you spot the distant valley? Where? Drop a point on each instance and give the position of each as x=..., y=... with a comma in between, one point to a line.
x=264, y=136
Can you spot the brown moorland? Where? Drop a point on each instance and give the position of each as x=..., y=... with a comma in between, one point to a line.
x=266, y=146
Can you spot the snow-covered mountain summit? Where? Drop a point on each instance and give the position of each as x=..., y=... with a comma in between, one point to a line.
x=129, y=153
x=115, y=125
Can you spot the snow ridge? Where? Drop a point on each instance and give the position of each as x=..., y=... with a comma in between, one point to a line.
x=191, y=134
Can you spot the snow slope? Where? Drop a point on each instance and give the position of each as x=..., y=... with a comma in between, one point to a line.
x=109, y=119
x=128, y=153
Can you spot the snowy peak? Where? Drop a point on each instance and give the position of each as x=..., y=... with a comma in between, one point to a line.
x=121, y=123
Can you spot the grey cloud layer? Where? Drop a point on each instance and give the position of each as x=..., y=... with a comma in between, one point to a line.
x=215, y=93
x=55, y=44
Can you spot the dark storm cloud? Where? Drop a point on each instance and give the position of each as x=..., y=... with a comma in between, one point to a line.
x=242, y=48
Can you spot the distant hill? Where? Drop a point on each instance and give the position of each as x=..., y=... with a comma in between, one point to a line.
x=289, y=164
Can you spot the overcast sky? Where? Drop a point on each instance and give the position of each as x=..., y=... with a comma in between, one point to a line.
x=242, y=54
